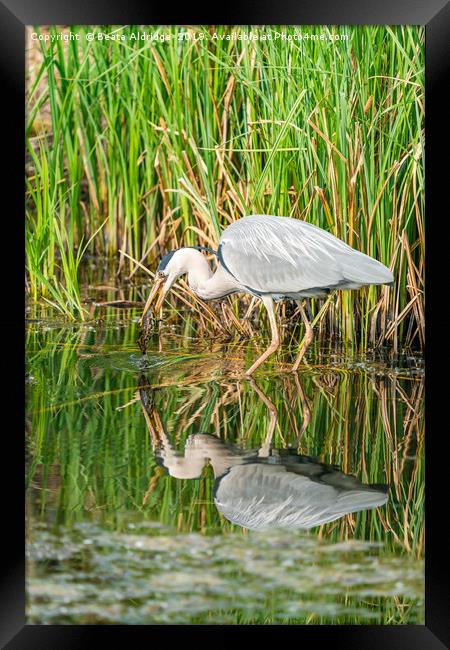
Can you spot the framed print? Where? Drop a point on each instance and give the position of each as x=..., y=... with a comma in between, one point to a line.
x=226, y=310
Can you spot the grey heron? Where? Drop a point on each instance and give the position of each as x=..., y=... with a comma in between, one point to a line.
x=263, y=488
x=272, y=258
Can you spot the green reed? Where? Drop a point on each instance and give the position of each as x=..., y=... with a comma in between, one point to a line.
x=142, y=147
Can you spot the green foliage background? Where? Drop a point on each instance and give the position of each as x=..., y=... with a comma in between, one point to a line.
x=144, y=146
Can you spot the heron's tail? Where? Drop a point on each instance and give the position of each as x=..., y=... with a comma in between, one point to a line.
x=362, y=269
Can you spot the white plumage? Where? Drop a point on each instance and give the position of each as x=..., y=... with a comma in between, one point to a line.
x=288, y=257
x=260, y=496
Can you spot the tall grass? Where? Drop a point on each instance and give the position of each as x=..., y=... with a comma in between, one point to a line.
x=142, y=147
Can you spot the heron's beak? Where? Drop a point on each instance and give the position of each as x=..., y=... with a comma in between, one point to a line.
x=157, y=287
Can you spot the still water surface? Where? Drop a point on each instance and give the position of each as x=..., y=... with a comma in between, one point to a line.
x=167, y=489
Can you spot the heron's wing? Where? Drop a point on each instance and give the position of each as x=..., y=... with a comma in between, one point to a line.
x=283, y=255
x=260, y=496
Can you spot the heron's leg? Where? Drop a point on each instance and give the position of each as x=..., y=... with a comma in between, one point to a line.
x=269, y=305
x=265, y=447
x=305, y=405
x=308, y=338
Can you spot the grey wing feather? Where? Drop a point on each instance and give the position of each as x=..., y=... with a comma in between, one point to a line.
x=283, y=255
x=263, y=496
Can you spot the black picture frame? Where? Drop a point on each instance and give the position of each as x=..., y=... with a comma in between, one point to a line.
x=435, y=15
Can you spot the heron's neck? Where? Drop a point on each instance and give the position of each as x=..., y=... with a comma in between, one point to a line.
x=206, y=284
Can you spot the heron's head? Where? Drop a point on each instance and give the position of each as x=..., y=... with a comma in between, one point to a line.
x=171, y=267
x=188, y=464
x=200, y=449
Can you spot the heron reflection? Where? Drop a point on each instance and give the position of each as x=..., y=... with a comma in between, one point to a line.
x=265, y=487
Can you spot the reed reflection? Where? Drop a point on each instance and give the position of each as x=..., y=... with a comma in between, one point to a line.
x=263, y=488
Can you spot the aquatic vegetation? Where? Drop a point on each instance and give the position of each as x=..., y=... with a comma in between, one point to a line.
x=150, y=574
x=137, y=148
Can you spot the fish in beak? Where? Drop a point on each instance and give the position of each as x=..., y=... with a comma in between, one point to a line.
x=158, y=288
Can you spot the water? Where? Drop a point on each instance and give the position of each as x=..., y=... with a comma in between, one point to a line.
x=144, y=477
